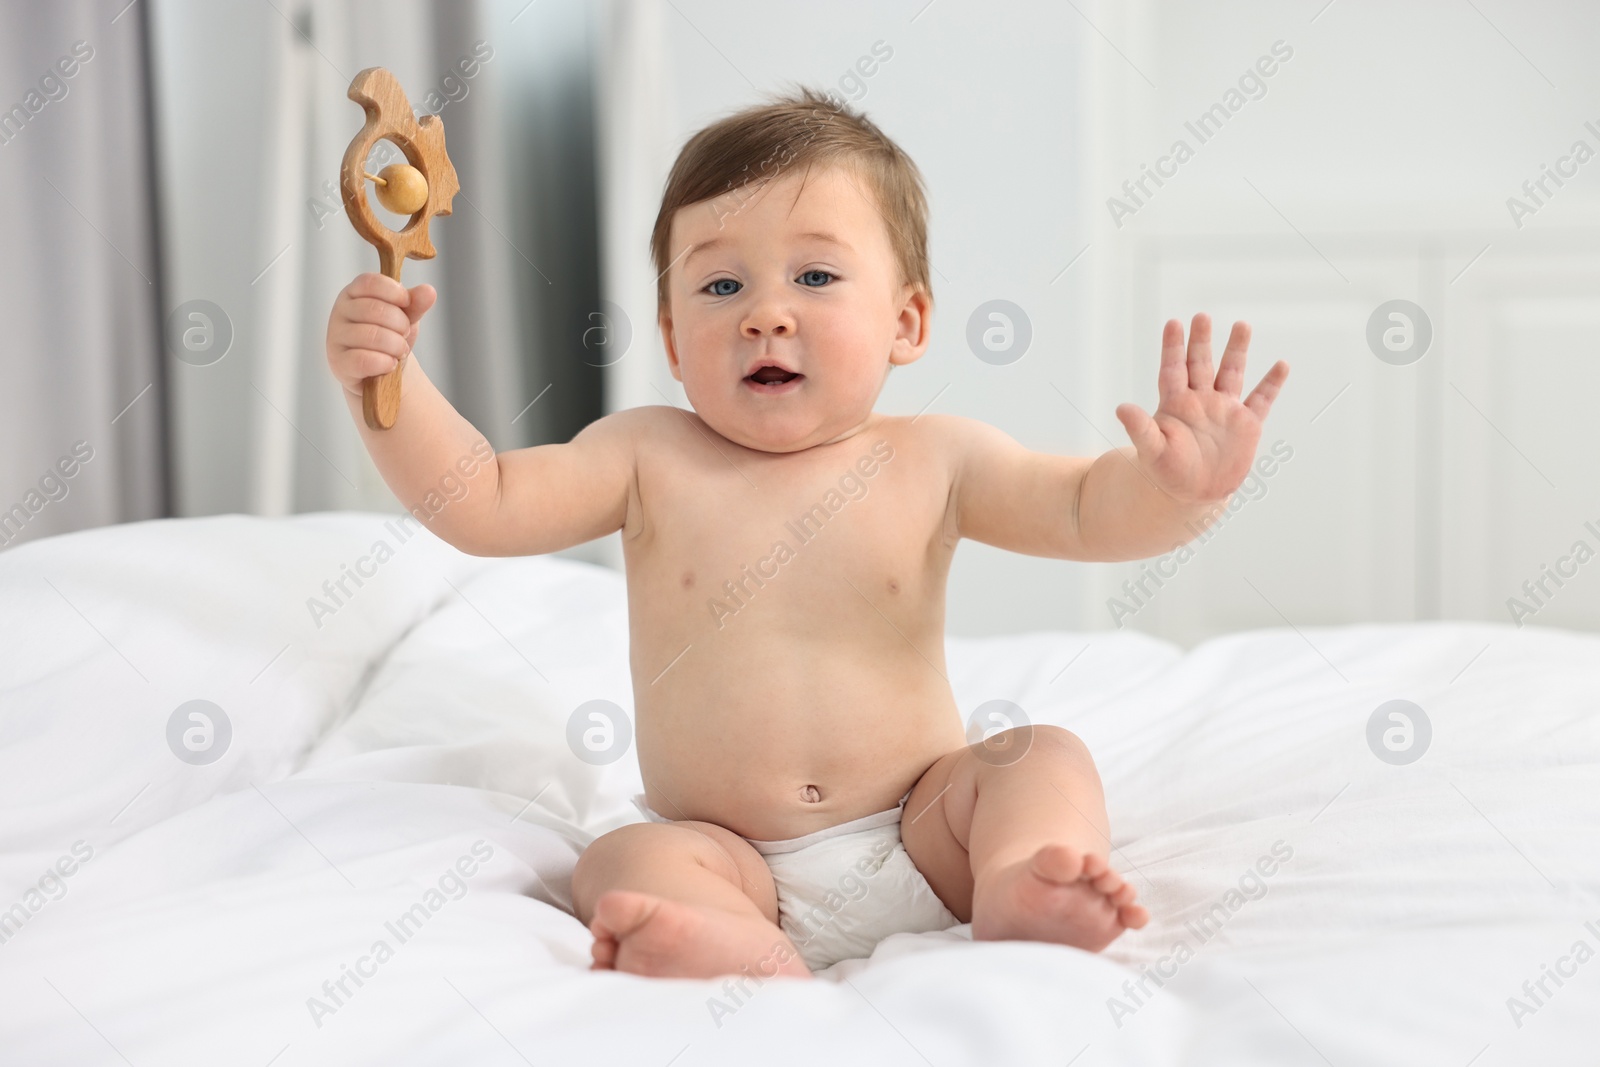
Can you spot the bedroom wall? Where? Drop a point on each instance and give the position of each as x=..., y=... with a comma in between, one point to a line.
x=1380, y=163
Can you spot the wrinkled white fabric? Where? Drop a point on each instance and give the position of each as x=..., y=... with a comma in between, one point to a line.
x=427, y=717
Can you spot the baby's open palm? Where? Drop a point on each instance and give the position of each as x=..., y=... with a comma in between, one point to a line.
x=1202, y=439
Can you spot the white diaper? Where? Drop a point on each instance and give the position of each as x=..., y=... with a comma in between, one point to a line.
x=843, y=889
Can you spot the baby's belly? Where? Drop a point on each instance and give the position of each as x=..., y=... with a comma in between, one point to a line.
x=815, y=737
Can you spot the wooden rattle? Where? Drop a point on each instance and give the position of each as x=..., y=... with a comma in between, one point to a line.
x=422, y=187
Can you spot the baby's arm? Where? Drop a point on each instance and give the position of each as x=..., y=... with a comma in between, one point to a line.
x=1132, y=502
x=524, y=502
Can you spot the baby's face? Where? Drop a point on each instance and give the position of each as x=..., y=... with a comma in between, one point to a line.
x=761, y=285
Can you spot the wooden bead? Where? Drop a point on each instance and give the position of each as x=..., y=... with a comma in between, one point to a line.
x=404, y=190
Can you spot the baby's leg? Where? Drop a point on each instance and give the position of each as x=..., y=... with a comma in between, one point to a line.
x=1021, y=847
x=681, y=900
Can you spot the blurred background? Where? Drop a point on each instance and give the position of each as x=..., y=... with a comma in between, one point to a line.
x=1400, y=197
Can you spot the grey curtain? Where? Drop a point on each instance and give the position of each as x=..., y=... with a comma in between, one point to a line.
x=83, y=400
x=193, y=382
x=253, y=119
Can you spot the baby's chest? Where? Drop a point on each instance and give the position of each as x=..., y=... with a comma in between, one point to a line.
x=826, y=535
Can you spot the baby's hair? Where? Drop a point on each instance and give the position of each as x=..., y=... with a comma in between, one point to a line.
x=728, y=161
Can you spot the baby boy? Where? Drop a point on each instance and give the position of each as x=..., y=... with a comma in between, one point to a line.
x=808, y=785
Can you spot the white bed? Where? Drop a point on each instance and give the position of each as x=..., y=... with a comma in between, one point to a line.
x=370, y=754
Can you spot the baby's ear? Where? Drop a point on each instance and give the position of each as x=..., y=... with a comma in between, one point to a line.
x=913, y=327
x=670, y=344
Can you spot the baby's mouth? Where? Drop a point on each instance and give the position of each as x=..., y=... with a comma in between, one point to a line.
x=771, y=378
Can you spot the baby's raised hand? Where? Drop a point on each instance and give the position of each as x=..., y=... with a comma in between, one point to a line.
x=1202, y=439
x=373, y=324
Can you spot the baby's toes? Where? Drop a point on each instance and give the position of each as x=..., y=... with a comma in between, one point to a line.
x=1108, y=882
x=1058, y=863
x=1094, y=865
x=604, y=948
x=1123, y=894
x=1133, y=916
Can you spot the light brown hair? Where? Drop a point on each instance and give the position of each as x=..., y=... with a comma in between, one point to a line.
x=729, y=160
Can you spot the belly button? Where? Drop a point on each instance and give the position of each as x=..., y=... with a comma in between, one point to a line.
x=894, y=586
x=811, y=794
x=688, y=579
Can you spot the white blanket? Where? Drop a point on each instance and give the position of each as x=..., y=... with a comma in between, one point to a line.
x=397, y=812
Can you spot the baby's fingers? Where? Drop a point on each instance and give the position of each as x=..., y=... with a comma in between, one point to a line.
x=375, y=312
x=369, y=336
x=1201, y=376
x=378, y=286
x=423, y=297
x=1173, y=377
x=361, y=364
x=1230, y=374
x=1142, y=430
x=1261, y=397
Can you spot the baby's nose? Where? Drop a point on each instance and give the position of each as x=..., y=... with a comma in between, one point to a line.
x=768, y=316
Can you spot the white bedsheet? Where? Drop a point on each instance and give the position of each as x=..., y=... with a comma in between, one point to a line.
x=426, y=716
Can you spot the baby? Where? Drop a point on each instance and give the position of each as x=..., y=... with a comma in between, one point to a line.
x=808, y=785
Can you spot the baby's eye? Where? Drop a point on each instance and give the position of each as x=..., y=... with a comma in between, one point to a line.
x=714, y=291
x=814, y=274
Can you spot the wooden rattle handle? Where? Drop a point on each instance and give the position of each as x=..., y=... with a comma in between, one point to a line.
x=380, y=396
x=389, y=116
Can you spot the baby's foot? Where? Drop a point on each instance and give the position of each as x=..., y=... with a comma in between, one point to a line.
x=1059, y=894
x=649, y=935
